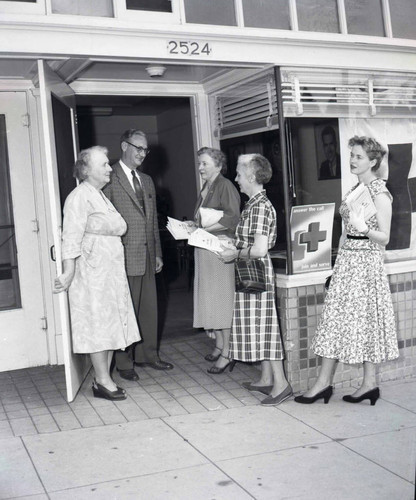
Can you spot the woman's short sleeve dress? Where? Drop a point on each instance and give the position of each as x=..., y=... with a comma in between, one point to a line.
x=255, y=334
x=214, y=280
x=357, y=322
x=102, y=315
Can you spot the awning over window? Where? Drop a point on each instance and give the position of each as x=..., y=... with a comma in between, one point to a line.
x=247, y=107
x=339, y=93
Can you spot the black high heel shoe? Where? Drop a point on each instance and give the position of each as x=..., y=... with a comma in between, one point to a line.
x=215, y=370
x=324, y=394
x=118, y=387
x=211, y=357
x=372, y=395
x=100, y=391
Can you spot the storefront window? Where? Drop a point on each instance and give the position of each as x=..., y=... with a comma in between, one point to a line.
x=103, y=8
x=272, y=14
x=364, y=17
x=318, y=15
x=220, y=12
x=9, y=278
x=150, y=5
x=267, y=144
x=315, y=166
x=23, y=7
x=403, y=18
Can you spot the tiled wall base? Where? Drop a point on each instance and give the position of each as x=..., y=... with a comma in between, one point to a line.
x=299, y=311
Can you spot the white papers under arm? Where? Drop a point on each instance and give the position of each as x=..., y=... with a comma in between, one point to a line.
x=210, y=216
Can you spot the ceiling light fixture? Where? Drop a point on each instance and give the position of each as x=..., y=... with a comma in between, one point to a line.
x=155, y=71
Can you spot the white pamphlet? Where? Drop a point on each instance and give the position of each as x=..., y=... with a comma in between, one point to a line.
x=203, y=239
x=180, y=229
x=361, y=197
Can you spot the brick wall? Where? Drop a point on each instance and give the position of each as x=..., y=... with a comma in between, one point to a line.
x=299, y=311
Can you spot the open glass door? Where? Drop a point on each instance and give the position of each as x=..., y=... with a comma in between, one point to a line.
x=246, y=119
x=57, y=102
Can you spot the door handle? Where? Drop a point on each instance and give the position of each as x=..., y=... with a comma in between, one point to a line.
x=52, y=252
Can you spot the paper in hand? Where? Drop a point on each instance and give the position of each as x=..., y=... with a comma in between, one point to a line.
x=203, y=239
x=180, y=230
x=359, y=198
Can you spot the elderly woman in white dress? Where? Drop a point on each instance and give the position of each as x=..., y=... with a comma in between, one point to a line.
x=102, y=315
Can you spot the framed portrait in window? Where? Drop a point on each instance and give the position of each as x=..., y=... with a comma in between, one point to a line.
x=327, y=150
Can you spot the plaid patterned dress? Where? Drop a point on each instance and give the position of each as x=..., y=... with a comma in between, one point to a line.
x=255, y=334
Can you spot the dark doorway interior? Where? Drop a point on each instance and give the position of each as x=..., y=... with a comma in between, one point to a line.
x=267, y=144
x=64, y=147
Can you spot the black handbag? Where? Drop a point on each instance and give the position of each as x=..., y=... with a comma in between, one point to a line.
x=327, y=282
x=250, y=275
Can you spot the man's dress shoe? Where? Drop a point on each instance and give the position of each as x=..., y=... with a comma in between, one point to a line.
x=128, y=374
x=158, y=364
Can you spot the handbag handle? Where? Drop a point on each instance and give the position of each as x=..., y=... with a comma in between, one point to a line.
x=248, y=253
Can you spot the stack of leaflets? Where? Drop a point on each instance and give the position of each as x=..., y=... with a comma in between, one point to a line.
x=359, y=198
x=203, y=239
x=180, y=229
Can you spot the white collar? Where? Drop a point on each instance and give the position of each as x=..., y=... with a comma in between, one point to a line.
x=128, y=172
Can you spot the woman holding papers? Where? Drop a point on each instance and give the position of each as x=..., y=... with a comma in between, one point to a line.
x=357, y=323
x=255, y=334
x=217, y=212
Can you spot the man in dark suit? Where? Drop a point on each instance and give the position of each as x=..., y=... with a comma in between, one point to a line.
x=331, y=167
x=133, y=194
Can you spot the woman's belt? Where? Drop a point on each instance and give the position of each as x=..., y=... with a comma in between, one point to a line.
x=352, y=237
x=103, y=235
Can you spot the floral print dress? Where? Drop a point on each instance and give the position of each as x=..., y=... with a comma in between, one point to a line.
x=357, y=322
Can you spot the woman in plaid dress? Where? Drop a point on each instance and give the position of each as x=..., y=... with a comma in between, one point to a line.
x=255, y=334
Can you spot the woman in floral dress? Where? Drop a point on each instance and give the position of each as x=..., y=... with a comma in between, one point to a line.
x=255, y=333
x=357, y=323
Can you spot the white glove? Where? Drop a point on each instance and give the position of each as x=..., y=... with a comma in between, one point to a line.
x=358, y=221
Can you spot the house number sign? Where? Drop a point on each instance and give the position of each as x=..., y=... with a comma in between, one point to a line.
x=181, y=47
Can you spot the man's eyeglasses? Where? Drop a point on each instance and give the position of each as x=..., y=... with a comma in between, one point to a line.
x=139, y=149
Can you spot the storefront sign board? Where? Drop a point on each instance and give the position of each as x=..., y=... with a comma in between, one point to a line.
x=311, y=233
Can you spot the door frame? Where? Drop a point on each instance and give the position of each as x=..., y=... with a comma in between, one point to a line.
x=55, y=350
x=198, y=96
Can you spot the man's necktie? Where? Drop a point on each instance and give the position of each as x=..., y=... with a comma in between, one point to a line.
x=139, y=191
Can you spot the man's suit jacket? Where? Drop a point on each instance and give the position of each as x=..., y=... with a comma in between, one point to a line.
x=325, y=171
x=142, y=230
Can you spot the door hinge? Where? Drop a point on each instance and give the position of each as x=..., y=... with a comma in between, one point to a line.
x=26, y=120
x=44, y=323
x=35, y=224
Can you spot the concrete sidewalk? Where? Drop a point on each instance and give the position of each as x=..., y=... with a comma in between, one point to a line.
x=185, y=434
